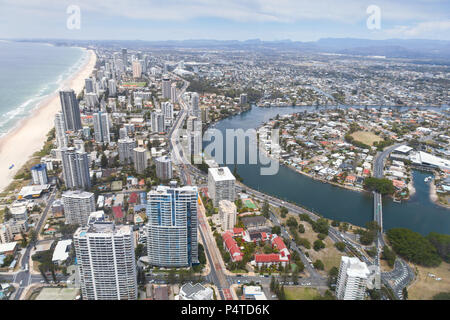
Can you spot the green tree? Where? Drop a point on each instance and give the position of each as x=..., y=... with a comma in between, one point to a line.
x=318, y=245
x=340, y=246
x=318, y=264
x=7, y=215
x=283, y=211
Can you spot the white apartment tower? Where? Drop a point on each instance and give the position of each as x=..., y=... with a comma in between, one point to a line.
x=173, y=93
x=101, y=127
x=221, y=185
x=60, y=131
x=164, y=168
x=352, y=279
x=171, y=230
x=106, y=261
x=126, y=146
x=227, y=214
x=75, y=169
x=78, y=205
x=140, y=159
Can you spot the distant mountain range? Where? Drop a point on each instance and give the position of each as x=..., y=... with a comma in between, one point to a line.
x=391, y=48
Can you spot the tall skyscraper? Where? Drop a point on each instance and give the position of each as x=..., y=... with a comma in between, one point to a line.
x=106, y=261
x=70, y=110
x=221, y=185
x=195, y=105
x=101, y=127
x=89, y=85
x=112, y=87
x=167, y=109
x=158, y=121
x=75, y=169
x=124, y=57
x=60, y=131
x=352, y=279
x=39, y=174
x=243, y=99
x=173, y=93
x=126, y=147
x=91, y=99
x=140, y=159
x=172, y=226
x=137, y=69
x=78, y=205
x=166, y=88
x=163, y=167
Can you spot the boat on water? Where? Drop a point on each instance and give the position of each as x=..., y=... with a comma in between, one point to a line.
x=428, y=179
x=397, y=200
x=11, y=166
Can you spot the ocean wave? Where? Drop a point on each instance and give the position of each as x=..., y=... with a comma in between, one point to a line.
x=12, y=118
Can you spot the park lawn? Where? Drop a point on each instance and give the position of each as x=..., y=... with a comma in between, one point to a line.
x=366, y=137
x=425, y=287
x=299, y=293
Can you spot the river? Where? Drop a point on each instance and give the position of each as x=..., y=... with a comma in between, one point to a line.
x=419, y=213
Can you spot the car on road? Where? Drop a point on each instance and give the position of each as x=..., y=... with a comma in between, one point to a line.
x=42, y=281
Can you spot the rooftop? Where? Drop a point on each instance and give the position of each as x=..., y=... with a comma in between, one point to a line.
x=221, y=174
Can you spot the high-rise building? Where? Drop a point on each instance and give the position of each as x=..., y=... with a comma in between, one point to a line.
x=75, y=169
x=106, y=261
x=78, y=205
x=137, y=69
x=167, y=109
x=89, y=85
x=60, y=131
x=39, y=174
x=173, y=93
x=112, y=87
x=140, y=159
x=205, y=114
x=195, y=105
x=352, y=279
x=221, y=185
x=164, y=168
x=158, y=121
x=91, y=99
x=86, y=133
x=227, y=214
x=126, y=147
x=101, y=127
x=70, y=110
x=166, y=88
x=124, y=57
x=172, y=226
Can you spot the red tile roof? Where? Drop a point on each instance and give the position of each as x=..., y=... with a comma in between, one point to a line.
x=271, y=257
x=279, y=243
x=133, y=198
x=118, y=213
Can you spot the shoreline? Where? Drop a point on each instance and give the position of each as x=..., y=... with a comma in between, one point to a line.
x=434, y=197
x=29, y=135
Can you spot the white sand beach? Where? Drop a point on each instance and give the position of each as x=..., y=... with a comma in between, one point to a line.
x=29, y=136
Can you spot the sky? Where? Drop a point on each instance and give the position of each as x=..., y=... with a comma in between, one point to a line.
x=298, y=20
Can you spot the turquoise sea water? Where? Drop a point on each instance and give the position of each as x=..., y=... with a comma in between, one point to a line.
x=30, y=72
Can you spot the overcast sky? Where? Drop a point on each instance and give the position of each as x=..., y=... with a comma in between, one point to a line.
x=224, y=19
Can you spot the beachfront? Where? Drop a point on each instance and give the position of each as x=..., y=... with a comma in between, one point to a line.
x=20, y=144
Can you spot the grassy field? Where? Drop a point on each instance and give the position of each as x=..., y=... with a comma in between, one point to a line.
x=299, y=293
x=425, y=287
x=366, y=137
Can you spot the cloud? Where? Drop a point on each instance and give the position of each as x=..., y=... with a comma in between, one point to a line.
x=428, y=29
x=281, y=11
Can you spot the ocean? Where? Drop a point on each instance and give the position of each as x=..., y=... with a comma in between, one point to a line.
x=30, y=72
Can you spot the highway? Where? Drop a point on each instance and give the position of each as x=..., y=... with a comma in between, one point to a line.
x=402, y=274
